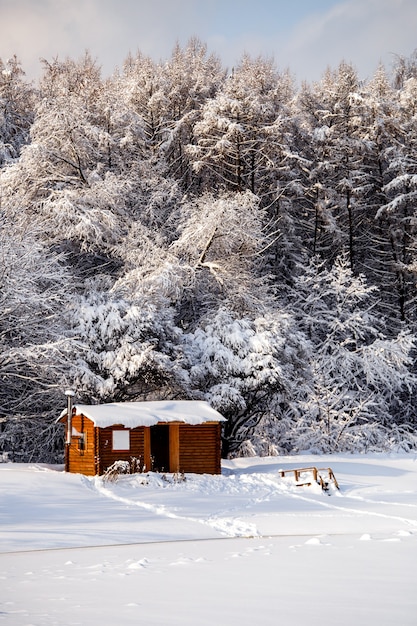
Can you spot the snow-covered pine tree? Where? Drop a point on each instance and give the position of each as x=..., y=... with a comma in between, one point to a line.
x=375, y=253
x=358, y=374
x=191, y=77
x=335, y=178
x=398, y=214
x=239, y=135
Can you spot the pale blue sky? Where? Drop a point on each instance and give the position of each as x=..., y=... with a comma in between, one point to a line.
x=305, y=36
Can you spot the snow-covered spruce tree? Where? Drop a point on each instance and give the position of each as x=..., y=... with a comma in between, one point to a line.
x=246, y=368
x=359, y=376
x=376, y=252
x=34, y=353
x=358, y=180
x=129, y=349
x=398, y=214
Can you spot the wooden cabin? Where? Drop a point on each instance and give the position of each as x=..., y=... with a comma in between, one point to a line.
x=167, y=436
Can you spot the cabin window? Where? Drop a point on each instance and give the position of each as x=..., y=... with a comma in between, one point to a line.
x=121, y=439
x=82, y=442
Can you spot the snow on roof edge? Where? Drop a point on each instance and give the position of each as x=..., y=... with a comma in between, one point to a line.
x=134, y=414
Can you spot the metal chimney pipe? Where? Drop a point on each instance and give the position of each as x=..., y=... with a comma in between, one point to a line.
x=70, y=395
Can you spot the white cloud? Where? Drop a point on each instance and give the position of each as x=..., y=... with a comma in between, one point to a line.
x=363, y=32
x=49, y=28
x=109, y=29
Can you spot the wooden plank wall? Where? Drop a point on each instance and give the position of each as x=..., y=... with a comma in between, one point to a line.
x=78, y=460
x=199, y=448
x=106, y=456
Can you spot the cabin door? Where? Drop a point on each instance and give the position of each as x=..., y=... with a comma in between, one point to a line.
x=160, y=448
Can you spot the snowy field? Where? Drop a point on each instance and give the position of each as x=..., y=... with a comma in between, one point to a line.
x=244, y=548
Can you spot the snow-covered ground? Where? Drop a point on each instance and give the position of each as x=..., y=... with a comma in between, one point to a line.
x=244, y=548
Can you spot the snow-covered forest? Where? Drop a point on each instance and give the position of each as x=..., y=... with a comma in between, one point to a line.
x=182, y=231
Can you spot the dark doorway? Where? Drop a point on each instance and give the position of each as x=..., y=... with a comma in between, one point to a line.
x=160, y=448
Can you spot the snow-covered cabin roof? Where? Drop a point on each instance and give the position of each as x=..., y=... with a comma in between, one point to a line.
x=134, y=414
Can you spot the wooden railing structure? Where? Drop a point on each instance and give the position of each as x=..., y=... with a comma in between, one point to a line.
x=317, y=476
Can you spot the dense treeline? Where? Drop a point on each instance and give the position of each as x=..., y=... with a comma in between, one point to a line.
x=179, y=231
